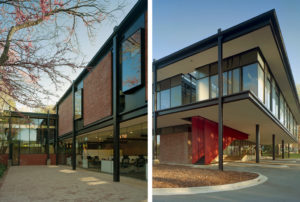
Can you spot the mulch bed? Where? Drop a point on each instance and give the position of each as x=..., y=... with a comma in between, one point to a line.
x=175, y=176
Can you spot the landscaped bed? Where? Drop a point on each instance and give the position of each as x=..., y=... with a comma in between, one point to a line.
x=175, y=176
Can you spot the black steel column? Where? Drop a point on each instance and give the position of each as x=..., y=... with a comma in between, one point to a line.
x=257, y=143
x=74, y=130
x=116, y=120
x=288, y=150
x=273, y=146
x=10, y=138
x=56, y=135
x=220, y=100
x=47, y=137
x=282, y=146
x=154, y=113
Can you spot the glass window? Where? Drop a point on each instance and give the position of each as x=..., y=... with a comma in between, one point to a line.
x=202, y=89
x=78, y=104
x=236, y=81
x=260, y=83
x=214, y=90
x=165, y=99
x=250, y=81
x=225, y=83
x=281, y=108
x=275, y=99
x=186, y=90
x=268, y=94
x=176, y=96
x=131, y=62
x=229, y=75
x=157, y=100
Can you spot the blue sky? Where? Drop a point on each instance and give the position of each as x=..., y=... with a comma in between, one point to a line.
x=178, y=23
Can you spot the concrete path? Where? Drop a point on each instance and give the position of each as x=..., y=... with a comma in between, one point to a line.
x=282, y=185
x=60, y=183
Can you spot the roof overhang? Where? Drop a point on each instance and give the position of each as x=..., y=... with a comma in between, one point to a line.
x=242, y=112
x=262, y=31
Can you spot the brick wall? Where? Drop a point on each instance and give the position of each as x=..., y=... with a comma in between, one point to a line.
x=33, y=159
x=175, y=148
x=65, y=116
x=97, y=95
x=4, y=158
x=53, y=159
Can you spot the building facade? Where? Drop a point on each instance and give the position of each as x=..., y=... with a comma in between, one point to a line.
x=101, y=120
x=236, y=84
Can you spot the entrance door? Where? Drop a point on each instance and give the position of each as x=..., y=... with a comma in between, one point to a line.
x=16, y=153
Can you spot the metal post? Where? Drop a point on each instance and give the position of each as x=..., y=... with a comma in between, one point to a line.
x=282, y=146
x=273, y=146
x=257, y=143
x=220, y=100
x=116, y=121
x=47, y=137
x=74, y=130
x=288, y=150
x=56, y=135
x=154, y=113
x=10, y=139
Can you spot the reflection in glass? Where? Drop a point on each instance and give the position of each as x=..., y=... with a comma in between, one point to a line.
x=165, y=99
x=214, y=86
x=236, y=81
x=78, y=104
x=268, y=94
x=229, y=75
x=202, y=89
x=225, y=81
x=250, y=81
x=260, y=83
x=176, y=96
x=131, y=62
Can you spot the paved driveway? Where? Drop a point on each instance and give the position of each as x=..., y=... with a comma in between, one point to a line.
x=283, y=185
x=60, y=183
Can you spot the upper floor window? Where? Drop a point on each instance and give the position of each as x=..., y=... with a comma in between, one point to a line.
x=78, y=101
x=131, y=61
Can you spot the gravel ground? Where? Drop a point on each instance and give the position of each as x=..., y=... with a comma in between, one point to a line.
x=60, y=183
x=175, y=176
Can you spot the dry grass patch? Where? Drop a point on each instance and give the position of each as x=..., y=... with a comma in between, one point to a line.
x=174, y=176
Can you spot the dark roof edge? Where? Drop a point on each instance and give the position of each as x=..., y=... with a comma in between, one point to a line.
x=137, y=9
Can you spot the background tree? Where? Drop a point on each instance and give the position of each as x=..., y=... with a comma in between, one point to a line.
x=38, y=39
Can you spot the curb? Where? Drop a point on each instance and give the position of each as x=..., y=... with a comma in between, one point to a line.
x=210, y=189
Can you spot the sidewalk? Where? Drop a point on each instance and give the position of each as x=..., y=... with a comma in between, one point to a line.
x=60, y=183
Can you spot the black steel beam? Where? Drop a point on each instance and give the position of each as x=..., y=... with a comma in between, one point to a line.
x=10, y=140
x=56, y=135
x=288, y=150
x=116, y=121
x=74, y=129
x=220, y=100
x=47, y=137
x=282, y=147
x=154, y=143
x=273, y=146
x=257, y=143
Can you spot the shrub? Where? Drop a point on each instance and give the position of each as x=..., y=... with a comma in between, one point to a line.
x=2, y=169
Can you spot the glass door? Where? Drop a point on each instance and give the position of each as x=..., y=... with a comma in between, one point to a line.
x=16, y=153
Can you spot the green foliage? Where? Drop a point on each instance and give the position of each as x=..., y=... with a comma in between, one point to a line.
x=2, y=169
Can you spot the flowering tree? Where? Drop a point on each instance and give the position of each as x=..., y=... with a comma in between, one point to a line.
x=38, y=39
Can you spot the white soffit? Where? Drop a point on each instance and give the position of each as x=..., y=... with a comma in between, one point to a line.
x=262, y=38
x=241, y=115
